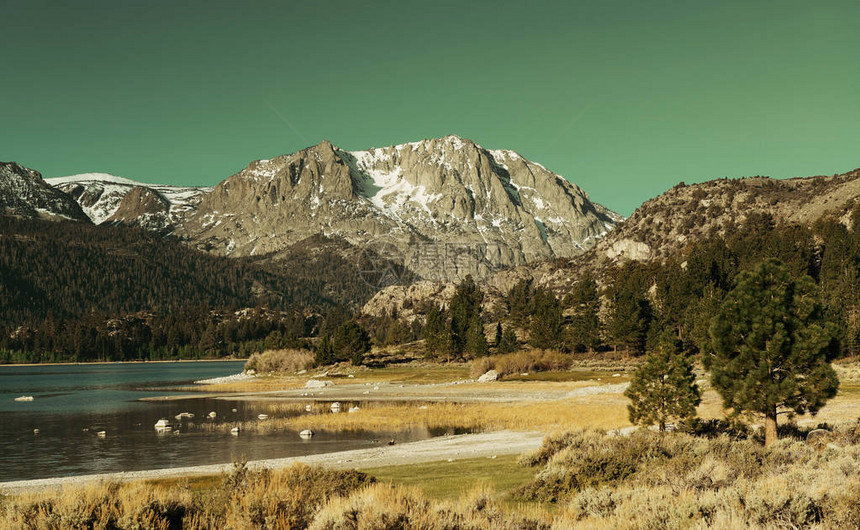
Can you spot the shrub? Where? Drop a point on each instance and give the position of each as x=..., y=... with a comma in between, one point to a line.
x=520, y=362
x=279, y=361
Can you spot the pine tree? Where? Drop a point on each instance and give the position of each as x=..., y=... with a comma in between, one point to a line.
x=508, y=343
x=772, y=346
x=583, y=333
x=545, y=327
x=437, y=333
x=351, y=342
x=520, y=302
x=629, y=321
x=476, y=340
x=498, y=336
x=324, y=352
x=663, y=388
x=465, y=307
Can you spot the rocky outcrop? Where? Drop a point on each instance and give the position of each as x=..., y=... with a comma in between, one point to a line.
x=144, y=207
x=665, y=225
x=24, y=193
x=444, y=207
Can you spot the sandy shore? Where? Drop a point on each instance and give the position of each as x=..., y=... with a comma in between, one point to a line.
x=457, y=392
x=435, y=449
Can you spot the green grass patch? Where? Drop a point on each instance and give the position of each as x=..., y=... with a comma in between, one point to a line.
x=449, y=480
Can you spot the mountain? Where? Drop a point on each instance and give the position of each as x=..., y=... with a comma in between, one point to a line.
x=444, y=207
x=665, y=226
x=116, y=200
x=24, y=193
x=662, y=228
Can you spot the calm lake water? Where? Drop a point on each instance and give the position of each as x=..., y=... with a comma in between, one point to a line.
x=72, y=403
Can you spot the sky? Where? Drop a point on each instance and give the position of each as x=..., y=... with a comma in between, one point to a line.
x=623, y=97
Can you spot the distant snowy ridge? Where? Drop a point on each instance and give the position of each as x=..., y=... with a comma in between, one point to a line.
x=100, y=195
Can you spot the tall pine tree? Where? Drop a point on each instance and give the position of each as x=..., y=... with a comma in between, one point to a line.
x=772, y=346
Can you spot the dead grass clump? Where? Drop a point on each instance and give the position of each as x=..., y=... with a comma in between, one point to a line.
x=393, y=507
x=280, y=361
x=101, y=505
x=521, y=362
x=288, y=498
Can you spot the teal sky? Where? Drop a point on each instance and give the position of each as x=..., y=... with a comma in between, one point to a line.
x=624, y=97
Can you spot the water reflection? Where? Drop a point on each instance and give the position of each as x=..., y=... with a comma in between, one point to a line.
x=73, y=404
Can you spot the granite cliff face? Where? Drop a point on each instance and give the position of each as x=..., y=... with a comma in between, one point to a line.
x=24, y=193
x=110, y=199
x=443, y=207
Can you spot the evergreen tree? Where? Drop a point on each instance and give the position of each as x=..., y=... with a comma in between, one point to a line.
x=545, y=327
x=465, y=307
x=476, y=340
x=520, y=302
x=437, y=333
x=351, y=342
x=630, y=312
x=324, y=352
x=509, y=343
x=772, y=346
x=629, y=321
x=663, y=388
x=583, y=333
x=498, y=335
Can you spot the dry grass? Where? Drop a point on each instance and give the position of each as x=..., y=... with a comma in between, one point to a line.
x=522, y=362
x=599, y=411
x=288, y=498
x=280, y=361
x=382, y=506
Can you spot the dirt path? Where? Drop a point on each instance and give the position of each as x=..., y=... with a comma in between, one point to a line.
x=435, y=449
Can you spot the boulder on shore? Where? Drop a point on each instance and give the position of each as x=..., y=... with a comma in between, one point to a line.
x=316, y=383
x=492, y=375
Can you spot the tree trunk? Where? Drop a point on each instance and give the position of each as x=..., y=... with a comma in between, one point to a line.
x=770, y=427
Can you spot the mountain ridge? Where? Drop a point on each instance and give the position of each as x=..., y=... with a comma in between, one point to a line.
x=500, y=208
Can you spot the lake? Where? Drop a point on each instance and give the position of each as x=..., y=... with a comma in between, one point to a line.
x=72, y=403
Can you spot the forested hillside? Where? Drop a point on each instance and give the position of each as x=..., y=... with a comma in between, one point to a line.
x=64, y=284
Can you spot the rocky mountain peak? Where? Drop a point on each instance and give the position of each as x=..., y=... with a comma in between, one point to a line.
x=443, y=196
x=24, y=193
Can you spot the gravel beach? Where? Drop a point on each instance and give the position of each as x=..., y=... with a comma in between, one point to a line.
x=452, y=448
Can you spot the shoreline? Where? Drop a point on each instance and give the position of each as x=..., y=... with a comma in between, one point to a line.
x=442, y=448
x=93, y=363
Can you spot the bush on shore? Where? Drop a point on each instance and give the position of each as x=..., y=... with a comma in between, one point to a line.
x=280, y=361
x=287, y=498
x=646, y=480
x=521, y=362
